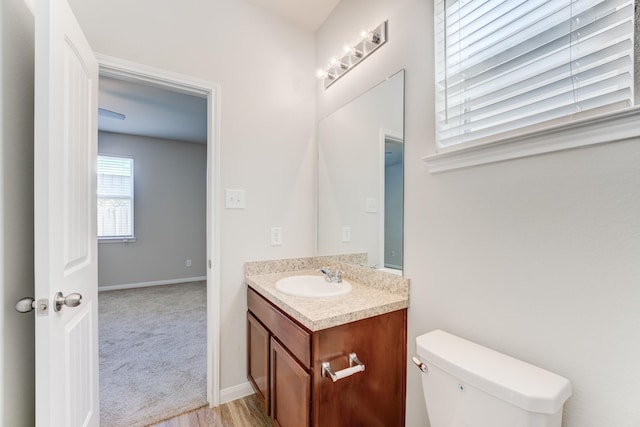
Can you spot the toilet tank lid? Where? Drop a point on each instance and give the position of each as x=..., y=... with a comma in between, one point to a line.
x=519, y=383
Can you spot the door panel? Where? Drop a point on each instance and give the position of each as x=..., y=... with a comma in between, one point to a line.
x=77, y=162
x=65, y=247
x=258, y=360
x=290, y=389
x=79, y=339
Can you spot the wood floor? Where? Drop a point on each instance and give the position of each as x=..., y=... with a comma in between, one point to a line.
x=243, y=412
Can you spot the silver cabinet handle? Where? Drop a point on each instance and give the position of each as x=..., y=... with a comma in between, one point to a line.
x=355, y=366
x=71, y=300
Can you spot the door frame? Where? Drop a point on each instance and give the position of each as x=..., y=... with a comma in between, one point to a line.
x=131, y=71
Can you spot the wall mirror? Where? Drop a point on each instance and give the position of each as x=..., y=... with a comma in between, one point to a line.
x=360, y=177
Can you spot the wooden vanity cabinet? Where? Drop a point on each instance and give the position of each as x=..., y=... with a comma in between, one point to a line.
x=285, y=391
x=297, y=395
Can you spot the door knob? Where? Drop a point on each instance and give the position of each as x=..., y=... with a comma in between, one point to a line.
x=25, y=305
x=71, y=300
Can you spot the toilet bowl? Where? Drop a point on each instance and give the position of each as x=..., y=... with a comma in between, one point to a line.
x=468, y=385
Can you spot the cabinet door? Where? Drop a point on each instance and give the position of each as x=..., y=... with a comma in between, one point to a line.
x=375, y=397
x=258, y=360
x=290, y=389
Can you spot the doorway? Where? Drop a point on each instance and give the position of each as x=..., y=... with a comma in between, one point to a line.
x=123, y=70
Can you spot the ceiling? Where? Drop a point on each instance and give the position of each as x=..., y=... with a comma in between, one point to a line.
x=159, y=113
x=151, y=111
x=308, y=14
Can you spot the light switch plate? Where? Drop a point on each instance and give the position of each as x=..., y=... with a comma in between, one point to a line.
x=371, y=205
x=234, y=199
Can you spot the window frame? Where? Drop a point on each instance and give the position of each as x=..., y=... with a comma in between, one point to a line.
x=120, y=239
x=607, y=128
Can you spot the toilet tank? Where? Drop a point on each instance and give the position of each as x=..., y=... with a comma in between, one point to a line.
x=468, y=385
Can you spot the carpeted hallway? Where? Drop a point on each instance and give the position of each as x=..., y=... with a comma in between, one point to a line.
x=153, y=353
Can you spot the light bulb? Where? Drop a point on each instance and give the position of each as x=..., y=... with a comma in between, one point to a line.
x=353, y=51
x=370, y=36
x=335, y=63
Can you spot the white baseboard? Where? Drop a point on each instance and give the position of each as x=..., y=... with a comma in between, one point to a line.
x=154, y=283
x=236, y=392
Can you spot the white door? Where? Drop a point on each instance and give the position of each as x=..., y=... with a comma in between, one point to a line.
x=66, y=93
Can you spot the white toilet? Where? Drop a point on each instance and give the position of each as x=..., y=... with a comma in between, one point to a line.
x=467, y=385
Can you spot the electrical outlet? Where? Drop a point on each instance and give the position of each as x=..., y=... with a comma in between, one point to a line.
x=234, y=199
x=188, y=263
x=276, y=236
x=346, y=233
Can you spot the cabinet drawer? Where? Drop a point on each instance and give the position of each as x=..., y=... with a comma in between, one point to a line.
x=292, y=336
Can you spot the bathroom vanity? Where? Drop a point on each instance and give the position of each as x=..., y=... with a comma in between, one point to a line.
x=290, y=338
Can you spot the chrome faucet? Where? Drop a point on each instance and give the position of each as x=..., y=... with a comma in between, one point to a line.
x=330, y=276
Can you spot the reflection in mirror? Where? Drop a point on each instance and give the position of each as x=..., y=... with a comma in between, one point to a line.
x=360, y=176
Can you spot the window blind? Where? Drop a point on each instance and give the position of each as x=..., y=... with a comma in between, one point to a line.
x=506, y=67
x=115, y=197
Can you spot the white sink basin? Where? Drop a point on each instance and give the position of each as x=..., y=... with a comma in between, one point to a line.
x=312, y=287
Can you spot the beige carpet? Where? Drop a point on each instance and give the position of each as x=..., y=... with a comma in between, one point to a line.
x=153, y=353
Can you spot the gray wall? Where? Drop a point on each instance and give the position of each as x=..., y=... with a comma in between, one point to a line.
x=170, y=179
x=17, y=362
x=538, y=257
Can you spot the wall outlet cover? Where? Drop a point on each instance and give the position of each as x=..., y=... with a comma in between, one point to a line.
x=276, y=236
x=346, y=233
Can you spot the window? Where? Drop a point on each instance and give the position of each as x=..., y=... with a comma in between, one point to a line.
x=505, y=68
x=115, y=198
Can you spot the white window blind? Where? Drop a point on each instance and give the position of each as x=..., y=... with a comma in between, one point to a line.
x=508, y=67
x=115, y=197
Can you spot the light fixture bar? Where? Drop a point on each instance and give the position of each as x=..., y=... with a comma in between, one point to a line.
x=368, y=43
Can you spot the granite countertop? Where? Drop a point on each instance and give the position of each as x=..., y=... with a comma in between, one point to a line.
x=322, y=313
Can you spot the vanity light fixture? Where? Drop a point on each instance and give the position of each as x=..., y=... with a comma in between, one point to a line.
x=369, y=42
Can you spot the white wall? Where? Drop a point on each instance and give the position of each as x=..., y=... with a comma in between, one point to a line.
x=265, y=69
x=538, y=258
x=170, y=212
x=17, y=363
